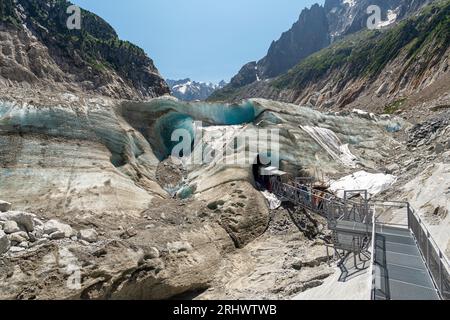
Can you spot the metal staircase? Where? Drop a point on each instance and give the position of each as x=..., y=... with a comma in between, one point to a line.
x=406, y=262
x=349, y=221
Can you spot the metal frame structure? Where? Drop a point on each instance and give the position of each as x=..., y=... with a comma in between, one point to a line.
x=354, y=227
x=349, y=221
x=436, y=261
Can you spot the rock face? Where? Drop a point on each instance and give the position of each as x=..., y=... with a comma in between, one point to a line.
x=40, y=52
x=10, y=227
x=308, y=35
x=316, y=28
x=5, y=206
x=356, y=72
x=55, y=227
x=281, y=263
x=241, y=211
x=89, y=235
x=22, y=219
x=4, y=242
x=148, y=245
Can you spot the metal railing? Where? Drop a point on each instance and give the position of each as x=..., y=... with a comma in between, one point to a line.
x=436, y=261
x=391, y=213
x=384, y=212
x=338, y=212
x=327, y=205
x=336, y=209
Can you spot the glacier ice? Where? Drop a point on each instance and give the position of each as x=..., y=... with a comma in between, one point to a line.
x=331, y=143
x=138, y=135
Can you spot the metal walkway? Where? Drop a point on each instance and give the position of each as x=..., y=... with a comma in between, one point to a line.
x=407, y=264
x=400, y=273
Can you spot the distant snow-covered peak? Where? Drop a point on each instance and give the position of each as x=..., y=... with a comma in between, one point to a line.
x=351, y=3
x=189, y=90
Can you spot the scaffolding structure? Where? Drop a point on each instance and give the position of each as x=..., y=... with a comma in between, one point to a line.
x=356, y=230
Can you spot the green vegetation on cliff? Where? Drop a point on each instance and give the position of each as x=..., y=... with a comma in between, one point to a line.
x=7, y=13
x=95, y=45
x=367, y=53
x=421, y=37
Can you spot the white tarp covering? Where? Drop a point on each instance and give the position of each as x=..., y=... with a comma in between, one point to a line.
x=328, y=140
x=374, y=183
x=271, y=171
x=274, y=202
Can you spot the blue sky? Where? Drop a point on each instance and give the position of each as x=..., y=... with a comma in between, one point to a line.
x=206, y=40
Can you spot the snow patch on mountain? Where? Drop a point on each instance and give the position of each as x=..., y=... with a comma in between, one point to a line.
x=351, y=3
x=188, y=90
x=391, y=18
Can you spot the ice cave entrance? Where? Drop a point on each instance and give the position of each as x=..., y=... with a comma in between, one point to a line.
x=227, y=115
x=167, y=125
x=186, y=116
x=264, y=172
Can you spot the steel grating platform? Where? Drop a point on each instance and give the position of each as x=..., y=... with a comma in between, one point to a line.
x=401, y=273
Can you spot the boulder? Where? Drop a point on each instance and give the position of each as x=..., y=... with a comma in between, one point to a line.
x=18, y=237
x=4, y=206
x=38, y=222
x=179, y=246
x=4, y=243
x=38, y=232
x=53, y=226
x=89, y=235
x=439, y=148
x=446, y=157
x=11, y=227
x=22, y=234
x=392, y=168
x=129, y=233
x=16, y=249
x=23, y=219
x=152, y=253
x=441, y=212
x=57, y=235
x=32, y=237
x=24, y=244
x=39, y=242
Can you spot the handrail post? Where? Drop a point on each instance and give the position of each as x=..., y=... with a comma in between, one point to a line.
x=373, y=256
x=441, y=278
x=408, y=206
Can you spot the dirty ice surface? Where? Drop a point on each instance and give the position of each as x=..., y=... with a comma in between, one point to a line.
x=328, y=140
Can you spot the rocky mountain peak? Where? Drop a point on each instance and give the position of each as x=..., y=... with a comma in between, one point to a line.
x=39, y=51
x=308, y=35
x=188, y=90
x=317, y=28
